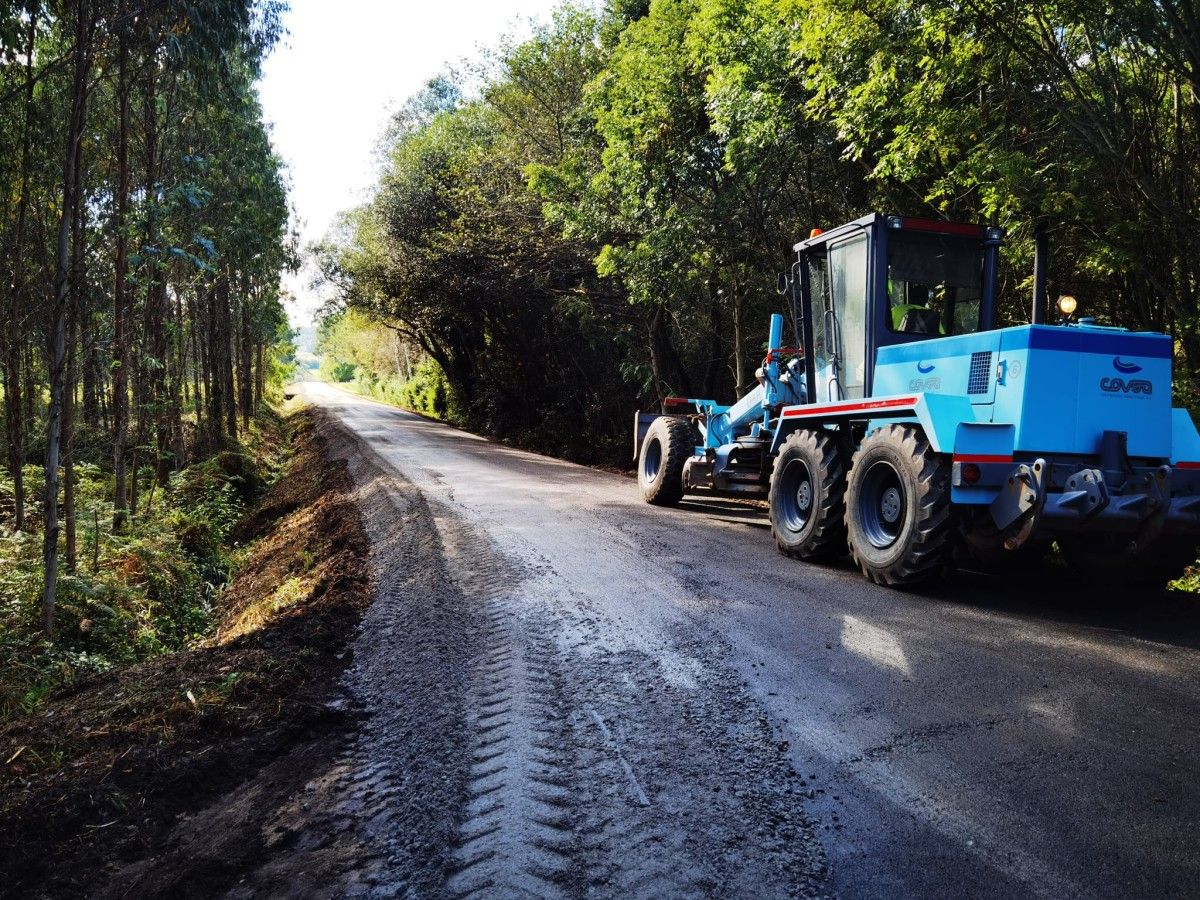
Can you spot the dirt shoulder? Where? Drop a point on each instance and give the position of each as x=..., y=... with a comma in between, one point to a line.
x=93, y=786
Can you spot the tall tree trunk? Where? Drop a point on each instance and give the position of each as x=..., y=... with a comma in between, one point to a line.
x=68, y=438
x=91, y=406
x=58, y=320
x=669, y=374
x=12, y=408
x=245, y=389
x=120, y=348
x=739, y=342
x=102, y=396
x=30, y=394
x=74, y=313
x=137, y=374
x=177, y=386
x=713, y=370
x=155, y=335
x=197, y=368
x=225, y=350
x=259, y=376
x=16, y=327
x=212, y=352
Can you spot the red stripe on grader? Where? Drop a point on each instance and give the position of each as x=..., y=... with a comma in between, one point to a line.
x=981, y=458
x=807, y=412
x=1187, y=465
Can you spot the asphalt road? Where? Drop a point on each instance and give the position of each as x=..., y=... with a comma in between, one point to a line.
x=993, y=737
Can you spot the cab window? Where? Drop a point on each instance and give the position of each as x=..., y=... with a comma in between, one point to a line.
x=934, y=285
x=848, y=290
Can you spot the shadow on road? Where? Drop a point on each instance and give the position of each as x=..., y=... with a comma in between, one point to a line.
x=737, y=512
x=1042, y=591
x=1056, y=594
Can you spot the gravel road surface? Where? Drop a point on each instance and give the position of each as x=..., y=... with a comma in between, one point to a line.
x=568, y=693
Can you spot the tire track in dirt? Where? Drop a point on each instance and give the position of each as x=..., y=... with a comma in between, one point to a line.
x=610, y=774
x=517, y=829
x=381, y=823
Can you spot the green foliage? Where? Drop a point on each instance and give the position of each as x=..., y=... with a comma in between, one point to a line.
x=1189, y=582
x=147, y=591
x=455, y=255
x=1079, y=117
x=378, y=362
x=339, y=372
x=427, y=391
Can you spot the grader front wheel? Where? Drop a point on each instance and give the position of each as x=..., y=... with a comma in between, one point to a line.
x=666, y=448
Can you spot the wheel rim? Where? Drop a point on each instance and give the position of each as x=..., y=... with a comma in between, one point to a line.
x=653, y=460
x=796, y=495
x=881, y=505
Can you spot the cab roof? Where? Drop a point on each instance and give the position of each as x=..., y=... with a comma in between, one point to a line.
x=904, y=223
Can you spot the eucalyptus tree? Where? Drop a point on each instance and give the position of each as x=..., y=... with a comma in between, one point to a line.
x=82, y=52
x=137, y=174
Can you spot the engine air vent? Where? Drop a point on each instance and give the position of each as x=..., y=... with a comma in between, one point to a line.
x=980, y=381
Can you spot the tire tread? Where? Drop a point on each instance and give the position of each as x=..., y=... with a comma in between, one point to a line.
x=930, y=551
x=828, y=538
x=677, y=445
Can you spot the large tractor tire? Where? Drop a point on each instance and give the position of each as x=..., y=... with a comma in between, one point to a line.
x=667, y=446
x=808, y=496
x=898, y=513
x=1112, y=560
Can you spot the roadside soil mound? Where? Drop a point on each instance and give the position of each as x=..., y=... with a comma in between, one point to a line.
x=92, y=784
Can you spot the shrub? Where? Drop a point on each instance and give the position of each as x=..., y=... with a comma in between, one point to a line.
x=427, y=391
x=149, y=590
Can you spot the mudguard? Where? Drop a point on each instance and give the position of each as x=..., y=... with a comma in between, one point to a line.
x=939, y=415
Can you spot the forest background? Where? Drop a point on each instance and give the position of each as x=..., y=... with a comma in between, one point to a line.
x=573, y=226
x=143, y=232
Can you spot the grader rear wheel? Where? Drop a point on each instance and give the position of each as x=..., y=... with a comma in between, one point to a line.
x=808, y=496
x=898, y=508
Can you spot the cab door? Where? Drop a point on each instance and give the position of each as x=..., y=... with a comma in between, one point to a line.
x=835, y=308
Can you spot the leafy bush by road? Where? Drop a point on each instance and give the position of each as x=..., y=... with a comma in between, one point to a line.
x=133, y=595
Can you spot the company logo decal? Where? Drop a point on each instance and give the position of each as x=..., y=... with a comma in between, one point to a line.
x=933, y=385
x=1135, y=386
x=1127, y=368
x=924, y=368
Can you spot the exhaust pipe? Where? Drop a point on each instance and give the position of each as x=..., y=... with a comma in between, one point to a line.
x=1041, y=252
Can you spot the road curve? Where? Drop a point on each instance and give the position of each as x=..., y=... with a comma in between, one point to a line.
x=655, y=702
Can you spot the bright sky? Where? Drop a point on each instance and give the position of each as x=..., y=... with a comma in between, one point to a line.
x=345, y=66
